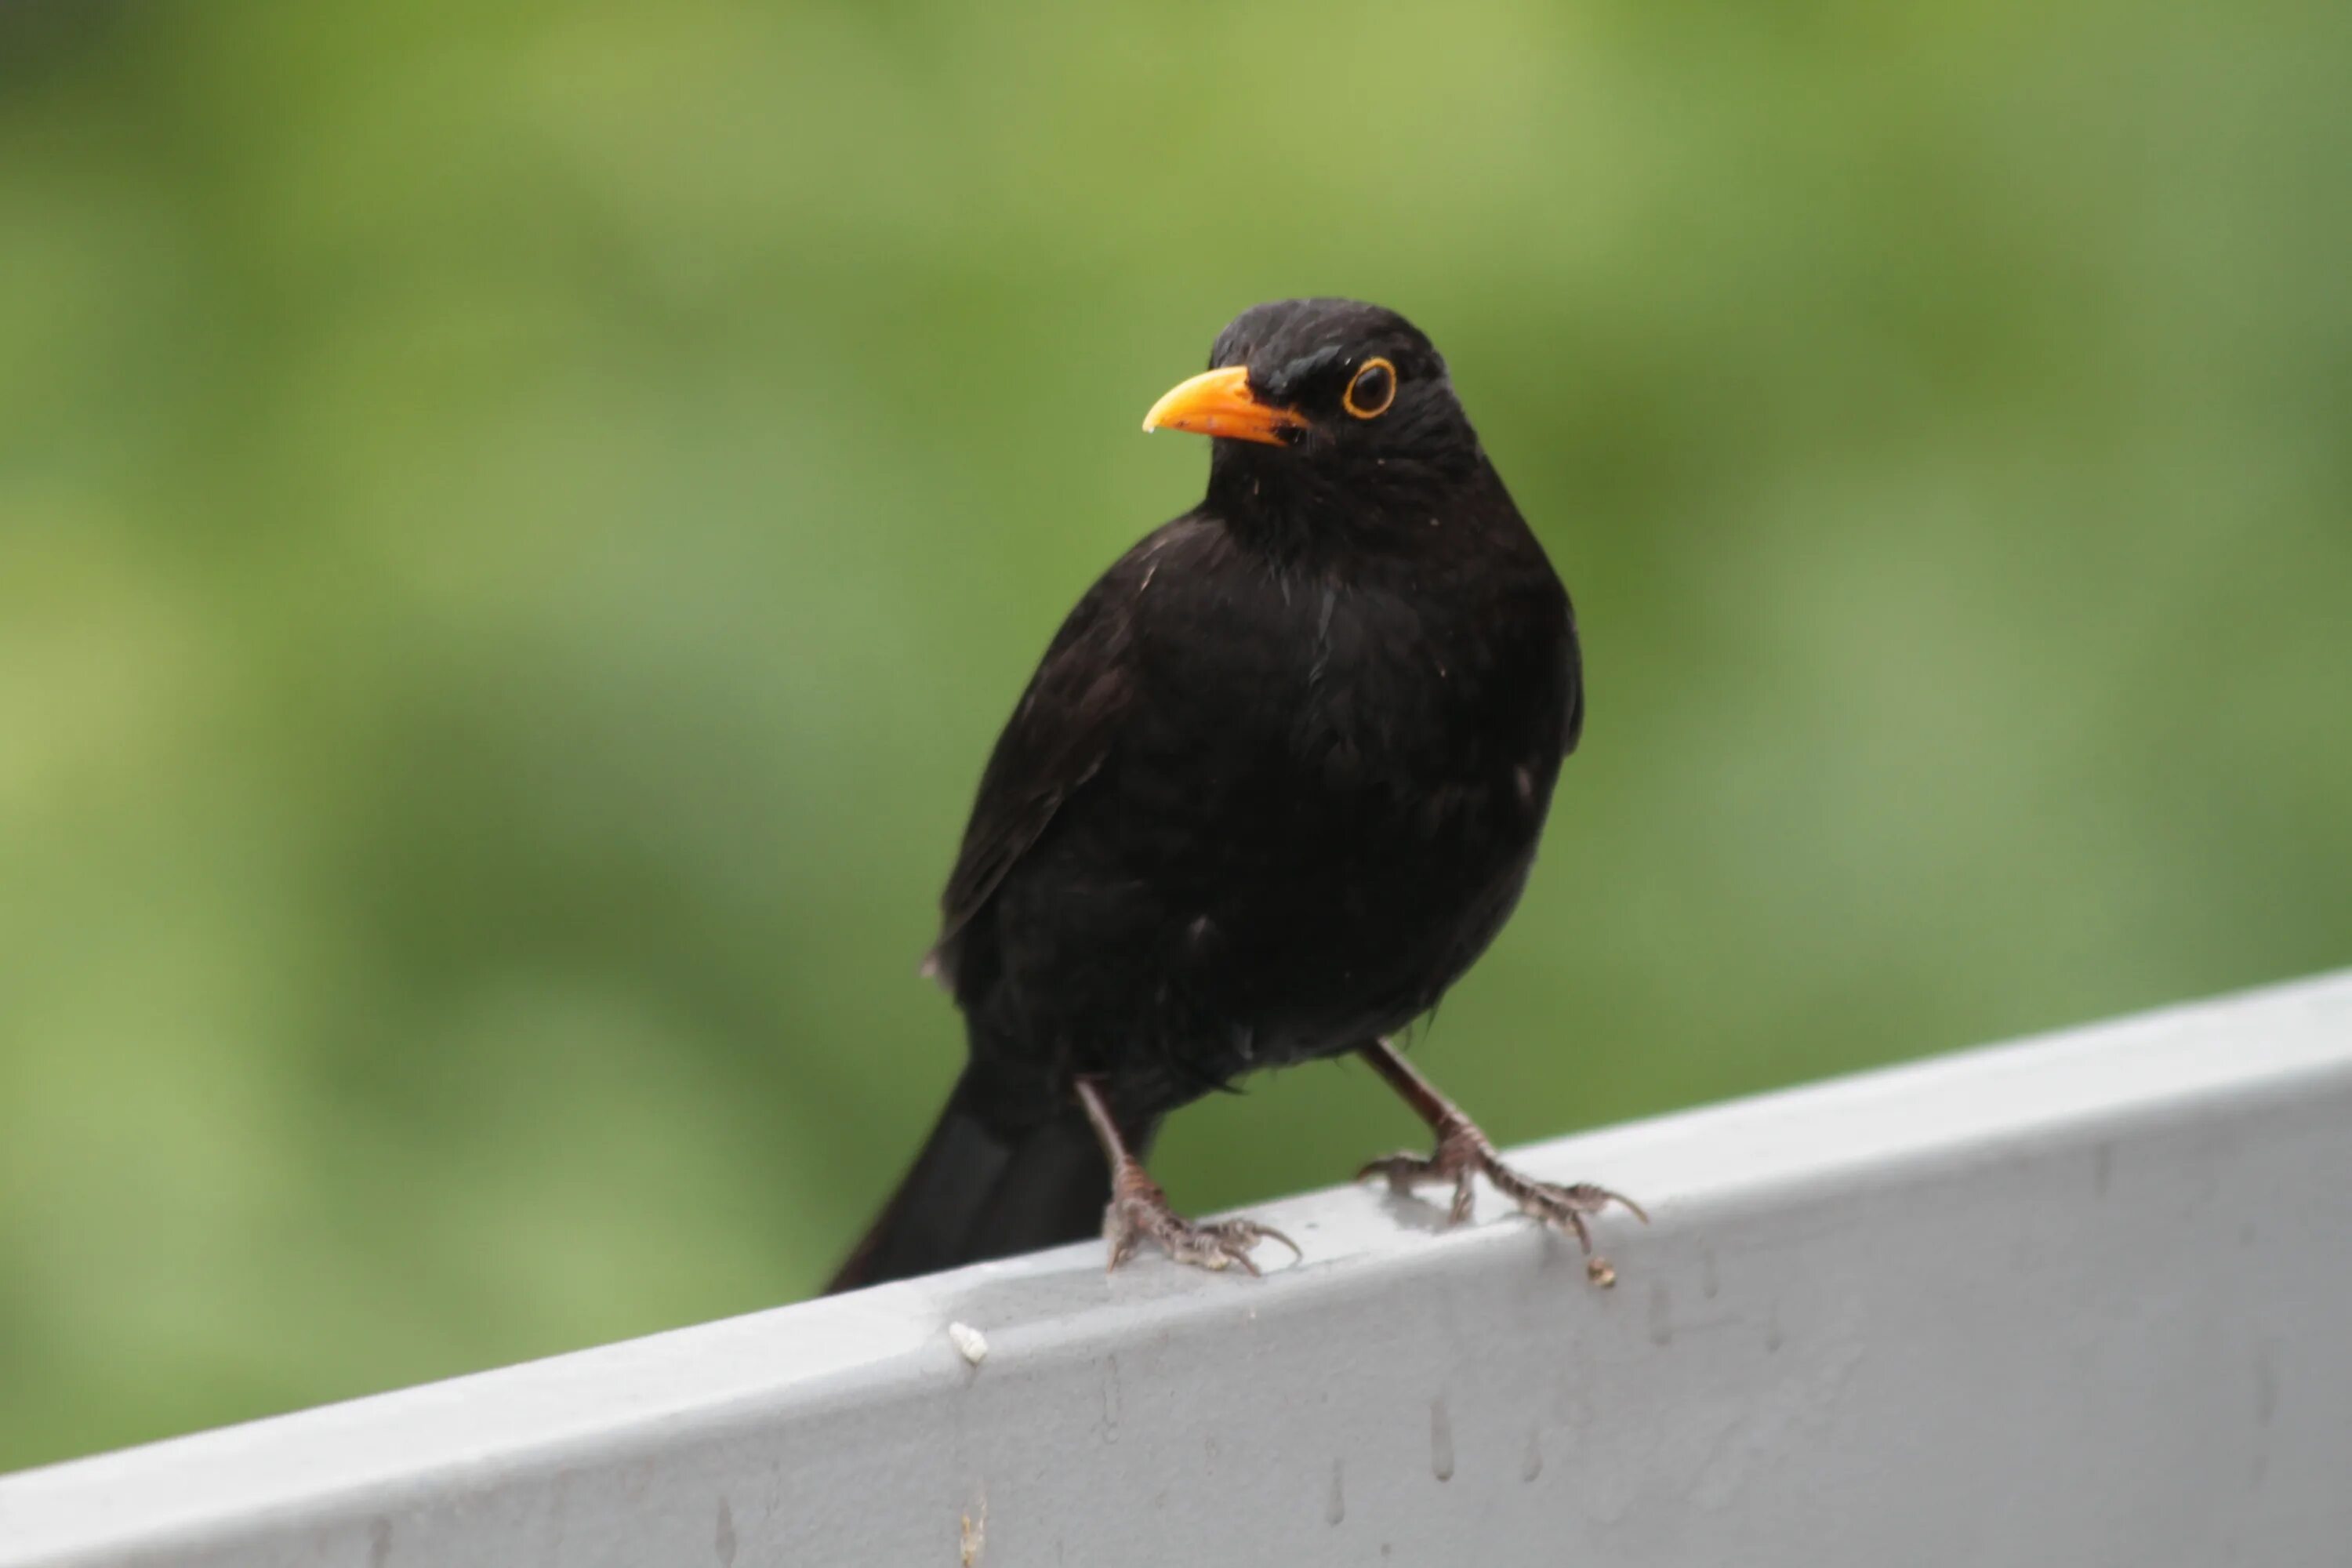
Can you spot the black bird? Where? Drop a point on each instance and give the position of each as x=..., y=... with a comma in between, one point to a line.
x=1276, y=784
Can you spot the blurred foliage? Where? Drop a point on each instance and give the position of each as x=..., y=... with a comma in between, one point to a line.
x=518, y=524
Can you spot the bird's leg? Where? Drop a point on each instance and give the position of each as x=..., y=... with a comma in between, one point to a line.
x=1139, y=1208
x=1463, y=1152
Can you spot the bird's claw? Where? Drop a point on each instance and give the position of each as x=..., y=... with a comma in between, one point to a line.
x=1563, y=1207
x=1404, y=1171
x=1139, y=1209
x=1463, y=1153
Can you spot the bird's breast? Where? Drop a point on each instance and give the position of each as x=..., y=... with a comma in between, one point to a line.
x=1318, y=714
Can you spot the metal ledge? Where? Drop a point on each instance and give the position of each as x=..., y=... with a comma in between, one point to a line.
x=2084, y=1300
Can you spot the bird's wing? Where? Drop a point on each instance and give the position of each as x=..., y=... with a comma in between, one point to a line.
x=1057, y=739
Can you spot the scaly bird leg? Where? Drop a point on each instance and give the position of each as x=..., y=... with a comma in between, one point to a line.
x=1140, y=1209
x=1463, y=1152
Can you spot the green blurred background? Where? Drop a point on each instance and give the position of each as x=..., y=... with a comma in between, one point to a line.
x=519, y=524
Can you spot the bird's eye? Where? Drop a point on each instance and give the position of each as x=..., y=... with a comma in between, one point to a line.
x=1369, y=396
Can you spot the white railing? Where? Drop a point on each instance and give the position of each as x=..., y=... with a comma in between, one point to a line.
x=2082, y=1300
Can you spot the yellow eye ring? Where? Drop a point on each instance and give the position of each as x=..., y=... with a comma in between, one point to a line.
x=1372, y=390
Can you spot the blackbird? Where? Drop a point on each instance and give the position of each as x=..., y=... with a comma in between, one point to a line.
x=1276, y=784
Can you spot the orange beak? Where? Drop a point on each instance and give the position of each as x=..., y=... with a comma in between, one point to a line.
x=1219, y=403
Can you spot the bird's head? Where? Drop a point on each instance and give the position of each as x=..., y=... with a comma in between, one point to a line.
x=1326, y=414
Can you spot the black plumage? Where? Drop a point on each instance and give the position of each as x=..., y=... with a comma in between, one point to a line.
x=1277, y=783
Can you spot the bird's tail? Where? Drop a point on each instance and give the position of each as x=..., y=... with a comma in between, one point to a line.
x=978, y=1191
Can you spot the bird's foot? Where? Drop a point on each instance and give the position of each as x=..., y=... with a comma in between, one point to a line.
x=1464, y=1152
x=1140, y=1209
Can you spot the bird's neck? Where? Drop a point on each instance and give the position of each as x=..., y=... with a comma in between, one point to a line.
x=1292, y=513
